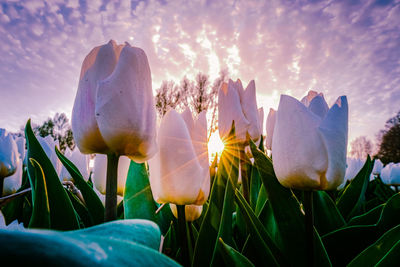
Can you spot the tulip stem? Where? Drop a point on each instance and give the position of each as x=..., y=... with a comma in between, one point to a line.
x=309, y=223
x=244, y=166
x=111, y=188
x=184, y=258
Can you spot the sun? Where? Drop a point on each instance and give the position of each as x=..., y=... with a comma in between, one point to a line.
x=215, y=145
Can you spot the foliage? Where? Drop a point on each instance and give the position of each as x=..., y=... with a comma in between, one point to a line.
x=389, y=150
x=198, y=95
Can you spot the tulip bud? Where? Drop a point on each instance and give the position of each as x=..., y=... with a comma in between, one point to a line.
x=100, y=173
x=378, y=165
x=239, y=105
x=192, y=212
x=353, y=167
x=309, y=143
x=270, y=127
x=385, y=173
x=9, y=156
x=395, y=174
x=80, y=160
x=125, y=110
x=179, y=172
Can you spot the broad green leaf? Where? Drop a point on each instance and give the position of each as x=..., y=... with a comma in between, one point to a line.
x=267, y=219
x=62, y=214
x=288, y=216
x=350, y=201
x=327, y=218
x=261, y=200
x=391, y=257
x=138, y=199
x=261, y=145
x=20, y=248
x=40, y=211
x=268, y=253
x=232, y=257
x=368, y=218
x=92, y=201
x=390, y=214
x=346, y=243
x=374, y=253
x=140, y=231
x=82, y=212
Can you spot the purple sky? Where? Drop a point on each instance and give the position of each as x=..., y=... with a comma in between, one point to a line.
x=338, y=47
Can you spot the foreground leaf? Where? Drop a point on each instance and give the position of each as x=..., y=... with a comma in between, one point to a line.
x=232, y=257
x=327, y=218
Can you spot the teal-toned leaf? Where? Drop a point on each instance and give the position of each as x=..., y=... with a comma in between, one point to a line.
x=288, y=216
x=92, y=201
x=327, y=218
x=268, y=253
x=346, y=243
x=62, y=214
x=232, y=257
x=350, y=202
x=368, y=218
x=374, y=253
x=40, y=211
x=138, y=199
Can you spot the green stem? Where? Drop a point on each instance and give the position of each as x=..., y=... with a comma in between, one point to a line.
x=111, y=188
x=183, y=235
x=244, y=165
x=309, y=223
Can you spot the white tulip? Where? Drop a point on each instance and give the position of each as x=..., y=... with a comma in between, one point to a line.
x=97, y=65
x=378, y=165
x=192, y=212
x=80, y=160
x=124, y=108
x=271, y=119
x=353, y=167
x=9, y=156
x=238, y=105
x=100, y=173
x=179, y=172
x=385, y=173
x=309, y=143
x=395, y=174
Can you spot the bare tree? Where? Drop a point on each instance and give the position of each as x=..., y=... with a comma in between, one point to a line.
x=361, y=147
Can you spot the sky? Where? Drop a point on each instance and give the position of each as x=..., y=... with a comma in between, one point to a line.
x=339, y=48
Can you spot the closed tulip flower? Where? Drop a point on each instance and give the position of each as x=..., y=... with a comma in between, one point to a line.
x=309, y=142
x=385, y=173
x=9, y=156
x=192, y=212
x=80, y=160
x=179, y=172
x=270, y=127
x=239, y=105
x=395, y=174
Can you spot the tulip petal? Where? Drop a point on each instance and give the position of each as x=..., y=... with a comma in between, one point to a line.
x=271, y=119
x=334, y=133
x=309, y=97
x=319, y=106
x=97, y=65
x=249, y=106
x=261, y=120
x=299, y=155
x=176, y=175
x=192, y=212
x=9, y=156
x=229, y=110
x=125, y=110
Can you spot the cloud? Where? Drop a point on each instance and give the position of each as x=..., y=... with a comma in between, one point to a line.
x=337, y=47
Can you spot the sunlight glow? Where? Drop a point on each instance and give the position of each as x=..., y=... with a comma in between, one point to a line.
x=215, y=145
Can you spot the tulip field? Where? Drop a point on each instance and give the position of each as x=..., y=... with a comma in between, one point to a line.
x=287, y=198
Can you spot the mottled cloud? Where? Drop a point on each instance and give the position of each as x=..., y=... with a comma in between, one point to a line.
x=337, y=47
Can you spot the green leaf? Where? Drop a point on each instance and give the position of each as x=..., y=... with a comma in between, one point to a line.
x=81, y=211
x=268, y=253
x=346, y=243
x=390, y=214
x=327, y=218
x=288, y=216
x=210, y=226
x=232, y=257
x=261, y=145
x=350, y=201
x=368, y=218
x=92, y=201
x=138, y=199
x=40, y=211
x=255, y=185
x=374, y=253
x=261, y=200
x=392, y=256
x=62, y=214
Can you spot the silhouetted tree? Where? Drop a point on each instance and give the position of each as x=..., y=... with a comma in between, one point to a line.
x=198, y=95
x=361, y=147
x=389, y=150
